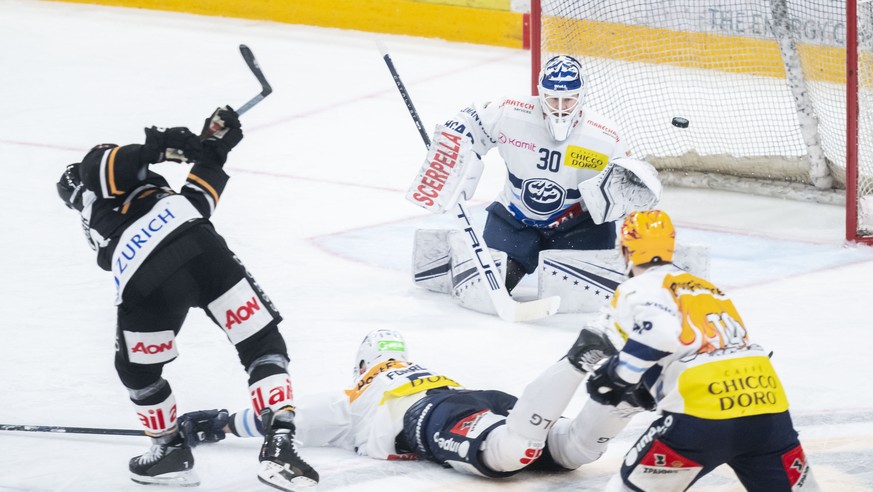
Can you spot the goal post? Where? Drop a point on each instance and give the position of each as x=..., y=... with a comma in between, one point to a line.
x=778, y=94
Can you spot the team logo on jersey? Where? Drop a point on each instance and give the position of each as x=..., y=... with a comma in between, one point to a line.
x=542, y=196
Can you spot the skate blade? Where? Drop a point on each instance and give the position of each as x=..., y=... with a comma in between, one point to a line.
x=276, y=475
x=185, y=478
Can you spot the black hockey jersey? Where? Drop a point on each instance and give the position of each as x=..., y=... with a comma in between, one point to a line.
x=129, y=211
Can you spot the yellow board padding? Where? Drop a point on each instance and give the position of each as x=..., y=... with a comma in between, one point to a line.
x=689, y=49
x=442, y=20
x=476, y=4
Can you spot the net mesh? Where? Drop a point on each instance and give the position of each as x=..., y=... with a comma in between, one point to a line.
x=763, y=85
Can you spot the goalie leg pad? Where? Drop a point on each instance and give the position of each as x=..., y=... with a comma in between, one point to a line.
x=584, y=280
x=430, y=260
x=467, y=286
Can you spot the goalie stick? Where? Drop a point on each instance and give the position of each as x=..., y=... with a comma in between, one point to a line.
x=507, y=308
x=57, y=429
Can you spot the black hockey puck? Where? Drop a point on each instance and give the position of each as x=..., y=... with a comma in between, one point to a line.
x=680, y=122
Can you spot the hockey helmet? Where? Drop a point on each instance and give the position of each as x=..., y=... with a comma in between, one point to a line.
x=562, y=92
x=649, y=237
x=379, y=346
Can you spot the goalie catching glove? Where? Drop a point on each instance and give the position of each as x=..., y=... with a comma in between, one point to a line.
x=625, y=185
x=450, y=172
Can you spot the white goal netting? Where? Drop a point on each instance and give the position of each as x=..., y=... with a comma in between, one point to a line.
x=762, y=83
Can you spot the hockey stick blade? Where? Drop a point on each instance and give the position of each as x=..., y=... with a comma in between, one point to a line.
x=507, y=308
x=266, y=90
x=56, y=429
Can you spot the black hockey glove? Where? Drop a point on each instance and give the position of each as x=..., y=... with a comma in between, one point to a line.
x=590, y=348
x=203, y=426
x=221, y=132
x=170, y=144
x=605, y=387
x=70, y=187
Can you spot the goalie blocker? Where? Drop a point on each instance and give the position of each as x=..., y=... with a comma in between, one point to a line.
x=450, y=171
x=584, y=280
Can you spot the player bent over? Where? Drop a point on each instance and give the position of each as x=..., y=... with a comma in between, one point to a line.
x=719, y=397
x=166, y=258
x=397, y=409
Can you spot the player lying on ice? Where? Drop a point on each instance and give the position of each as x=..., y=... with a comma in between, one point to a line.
x=686, y=348
x=397, y=409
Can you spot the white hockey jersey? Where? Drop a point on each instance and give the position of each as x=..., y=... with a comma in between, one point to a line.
x=368, y=417
x=687, y=342
x=543, y=174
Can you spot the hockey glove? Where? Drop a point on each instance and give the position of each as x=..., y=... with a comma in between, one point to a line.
x=203, y=426
x=590, y=348
x=70, y=187
x=170, y=144
x=607, y=388
x=221, y=132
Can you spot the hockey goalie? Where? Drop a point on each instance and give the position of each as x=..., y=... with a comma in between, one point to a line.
x=569, y=178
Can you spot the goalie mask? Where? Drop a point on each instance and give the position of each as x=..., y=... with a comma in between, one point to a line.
x=379, y=346
x=562, y=91
x=649, y=237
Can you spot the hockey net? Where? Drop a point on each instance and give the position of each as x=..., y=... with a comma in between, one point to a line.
x=763, y=84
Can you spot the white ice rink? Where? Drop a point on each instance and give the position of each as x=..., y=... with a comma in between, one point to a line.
x=315, y=209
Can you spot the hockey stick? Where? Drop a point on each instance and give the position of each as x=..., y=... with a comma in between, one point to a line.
x=507, y=308
x=57, y=429
x=266, y=90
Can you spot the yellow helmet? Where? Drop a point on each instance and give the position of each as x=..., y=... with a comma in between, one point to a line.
x=649, y=237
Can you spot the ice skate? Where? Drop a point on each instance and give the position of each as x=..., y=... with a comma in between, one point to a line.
x=169, y=463
x=281, y=466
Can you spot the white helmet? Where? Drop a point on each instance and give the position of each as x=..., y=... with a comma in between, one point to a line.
x=562, y=92
x=379, y=346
